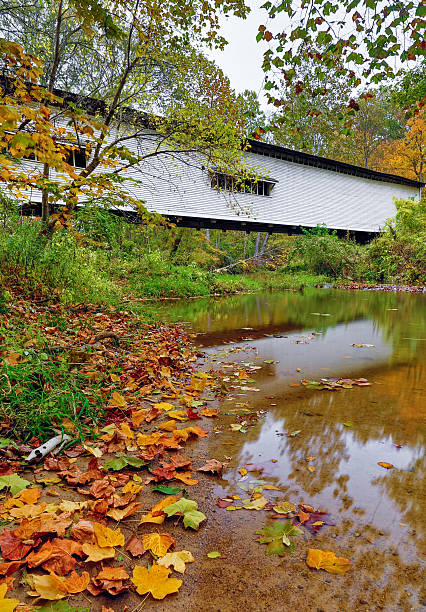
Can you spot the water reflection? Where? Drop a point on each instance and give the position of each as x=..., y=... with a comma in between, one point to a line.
x=384, y=422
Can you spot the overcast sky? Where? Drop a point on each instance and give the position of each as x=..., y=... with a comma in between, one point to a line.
x=242, y=58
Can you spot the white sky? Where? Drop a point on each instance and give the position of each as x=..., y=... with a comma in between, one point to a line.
x=241, y=60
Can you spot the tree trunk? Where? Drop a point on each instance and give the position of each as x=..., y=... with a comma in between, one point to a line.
x=256, y=248
x=264, y=243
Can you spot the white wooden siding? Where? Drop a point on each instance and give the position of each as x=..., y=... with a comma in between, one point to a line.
x=304, y=195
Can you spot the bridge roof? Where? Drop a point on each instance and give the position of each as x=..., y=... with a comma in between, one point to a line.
x=307, y=159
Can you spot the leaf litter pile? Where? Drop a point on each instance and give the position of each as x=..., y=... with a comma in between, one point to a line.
x=75, y=521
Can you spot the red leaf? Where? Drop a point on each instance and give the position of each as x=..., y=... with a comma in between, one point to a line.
x=193, y=414
x=11, y=547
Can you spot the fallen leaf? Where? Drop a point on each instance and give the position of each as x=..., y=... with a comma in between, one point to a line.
x=49, y=586
x=192, y=517
x=386, y=465
x=6, y=604
x=106, y=537
x=117, y=401
x=255, y=504
x=209, y=412
x=95, y=553
x=157, y=515
x=243, y=471
x=158, y=543
x=13, y=482
x=327, y=560
x=214, y=466
x=214, y=554
x=177, y=559
x=155, y=581
x=166, y=489
x=277, y=537
x=284, y=508
x=135, y=546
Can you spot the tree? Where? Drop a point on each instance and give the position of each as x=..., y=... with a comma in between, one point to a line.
x=407, y=156
x=306, y=121
x=363, y=39
x=254, y=116
x=131, y=54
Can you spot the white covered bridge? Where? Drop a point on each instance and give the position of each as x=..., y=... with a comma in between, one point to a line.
x=301, y=190
x=298, y=190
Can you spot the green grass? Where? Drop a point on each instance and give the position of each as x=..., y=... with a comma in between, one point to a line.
x=39, y=393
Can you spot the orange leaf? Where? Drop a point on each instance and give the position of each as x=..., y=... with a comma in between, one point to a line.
x=386, y=465
x=107, y=537
x=75, y=583
x=209, y=412
x=185, y=477
x=135, y=546
x=113, y=573
x=327, y=560
x=155, y=581
x=158, y=543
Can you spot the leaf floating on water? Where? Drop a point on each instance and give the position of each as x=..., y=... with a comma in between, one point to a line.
x=331, y=384
x=385, y=464
x=277, y=537
x=328, y=561
x=348, y=424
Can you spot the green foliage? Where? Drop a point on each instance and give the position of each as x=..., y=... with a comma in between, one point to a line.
x=325, y=253
x=40, y=392
x=399, y=254
x=14, y=483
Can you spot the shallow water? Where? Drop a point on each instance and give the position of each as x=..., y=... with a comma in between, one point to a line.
x=378, y=513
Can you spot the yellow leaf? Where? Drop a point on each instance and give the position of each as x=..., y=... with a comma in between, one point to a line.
x=96, y=553
x=125, y=429
x=168, y=425
x=327, y=560
x=243, y=471
x=155, y=581
x=132, y=487
x=177, y=559
x=107, y=537
x=178, y=414
x=271, y=488
x=311, y=468
x=49, y=586
x=117, y=400
x=159, y=543
x=93, y=450
x=6, y=605
x=164, y=406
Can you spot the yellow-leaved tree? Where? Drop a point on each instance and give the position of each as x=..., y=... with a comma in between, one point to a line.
x=407, y=157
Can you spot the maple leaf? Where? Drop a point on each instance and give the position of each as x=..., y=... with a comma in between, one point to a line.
x=106, y=537
x=212, y=465
x=328, y=561
x=158, y=543
x=13, y=482
x=155, y=581
x=135, y=546
x=177, y=559
x=192, y=517
x=6, y=604
x=95, y=553
x=277, y=537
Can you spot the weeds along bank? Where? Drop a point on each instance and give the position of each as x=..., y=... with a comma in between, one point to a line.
x=104, y=260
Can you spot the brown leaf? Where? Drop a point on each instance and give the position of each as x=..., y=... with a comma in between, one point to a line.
x=135, y=546
x=212, y=465
x=83, y=531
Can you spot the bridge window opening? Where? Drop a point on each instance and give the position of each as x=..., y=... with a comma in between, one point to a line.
x=222, y=181
x=75, y=156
